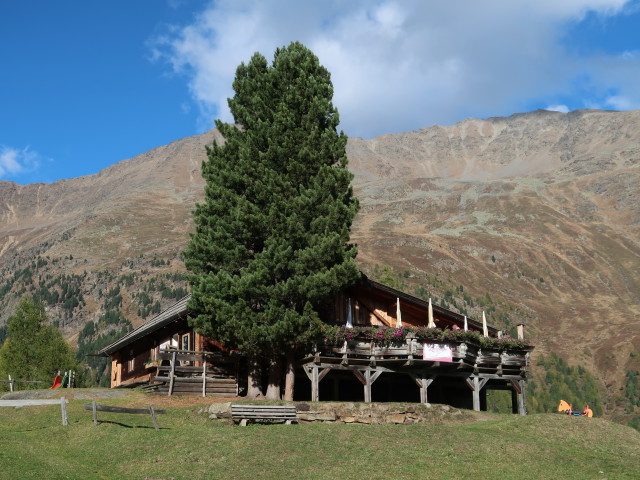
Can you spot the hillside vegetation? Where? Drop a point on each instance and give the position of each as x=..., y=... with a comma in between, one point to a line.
x=531, y=217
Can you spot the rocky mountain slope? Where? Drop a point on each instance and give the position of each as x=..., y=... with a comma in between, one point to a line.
x=538, y=210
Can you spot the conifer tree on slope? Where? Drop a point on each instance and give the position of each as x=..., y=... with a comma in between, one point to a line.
x=272, y=235
x=34, y=350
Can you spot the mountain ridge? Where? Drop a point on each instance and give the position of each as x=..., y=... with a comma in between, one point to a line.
x=539, y=209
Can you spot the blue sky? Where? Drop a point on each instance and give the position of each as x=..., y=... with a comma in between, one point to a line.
x=84, y=85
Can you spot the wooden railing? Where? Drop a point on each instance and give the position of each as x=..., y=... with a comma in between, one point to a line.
x=412, y=349
x=13, y=381
x=196, y=367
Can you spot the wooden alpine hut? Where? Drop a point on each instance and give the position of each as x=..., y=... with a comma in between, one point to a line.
x=380, y=344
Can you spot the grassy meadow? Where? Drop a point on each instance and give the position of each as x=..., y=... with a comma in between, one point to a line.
x=34, y=444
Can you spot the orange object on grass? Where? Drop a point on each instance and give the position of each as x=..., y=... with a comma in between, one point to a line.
x=57, y=382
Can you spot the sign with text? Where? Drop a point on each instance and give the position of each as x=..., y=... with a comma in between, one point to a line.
x=436, y=352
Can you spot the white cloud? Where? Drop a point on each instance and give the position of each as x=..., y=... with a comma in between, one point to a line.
x=14, y=161
x=618, y=102
x=558, y=108
x=401, y=65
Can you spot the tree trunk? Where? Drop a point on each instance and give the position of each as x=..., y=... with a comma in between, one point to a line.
x=290, y=378
x=275, y=379
x=254, y=378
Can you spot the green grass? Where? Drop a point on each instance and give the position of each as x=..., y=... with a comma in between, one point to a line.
x=34, y=444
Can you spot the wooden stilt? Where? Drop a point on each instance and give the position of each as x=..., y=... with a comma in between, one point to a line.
x=423, y=382
x=475, y=383
x=522, y=405
x=315, y=385
x=519, y=387
x=172, y=373
x=367, y=386
x=204, y=375
x=476, y=394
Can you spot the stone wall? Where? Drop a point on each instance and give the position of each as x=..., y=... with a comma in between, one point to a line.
x=363, y=413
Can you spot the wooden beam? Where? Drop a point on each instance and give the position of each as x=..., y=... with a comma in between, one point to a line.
x=360, y=376
x=482, y=382
x=323, y=373
x=516, y=386
x=375, y=376
x=372, y=311
x=307, y=369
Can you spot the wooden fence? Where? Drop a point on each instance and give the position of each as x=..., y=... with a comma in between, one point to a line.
x=37, y=402
x=13, y=381
x=95, y=408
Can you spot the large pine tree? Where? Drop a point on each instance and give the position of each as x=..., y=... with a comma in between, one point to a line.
x=272, y=236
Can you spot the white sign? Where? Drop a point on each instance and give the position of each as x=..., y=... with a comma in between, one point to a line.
x=436, y=352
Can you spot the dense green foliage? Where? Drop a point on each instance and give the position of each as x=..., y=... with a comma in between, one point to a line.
x=271, y=240
x=33, y=350
x=563, y=382
x=95, y=336
x=632, y=389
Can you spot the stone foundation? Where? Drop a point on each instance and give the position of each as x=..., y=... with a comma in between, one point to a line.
x=363, y=413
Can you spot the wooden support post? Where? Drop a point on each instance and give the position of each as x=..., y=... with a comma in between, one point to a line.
x=423, y=382
x=95, y=412
x=315, y=384
x=153, y=417
x=315, y=376
x=519, y=387
x=514, y=401
x=172, y=372
x=520, y=328
x=204, y=375
x=476, y=384
x=11, y=382
x=522, y=404
x=476, y=394
x=63, y=408
x=367, y=386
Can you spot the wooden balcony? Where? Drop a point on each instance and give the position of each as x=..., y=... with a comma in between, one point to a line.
x=410, y=355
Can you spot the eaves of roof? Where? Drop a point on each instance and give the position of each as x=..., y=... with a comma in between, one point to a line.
x=174, y=312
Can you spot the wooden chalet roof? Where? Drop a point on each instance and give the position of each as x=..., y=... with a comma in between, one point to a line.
x=422, y=304
x=176, y=311
x=179, y=310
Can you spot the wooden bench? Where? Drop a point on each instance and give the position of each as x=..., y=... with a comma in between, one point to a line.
x=268, y=413
x=106, y=408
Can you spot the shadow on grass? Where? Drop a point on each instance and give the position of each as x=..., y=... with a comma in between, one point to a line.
x=129, y=426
